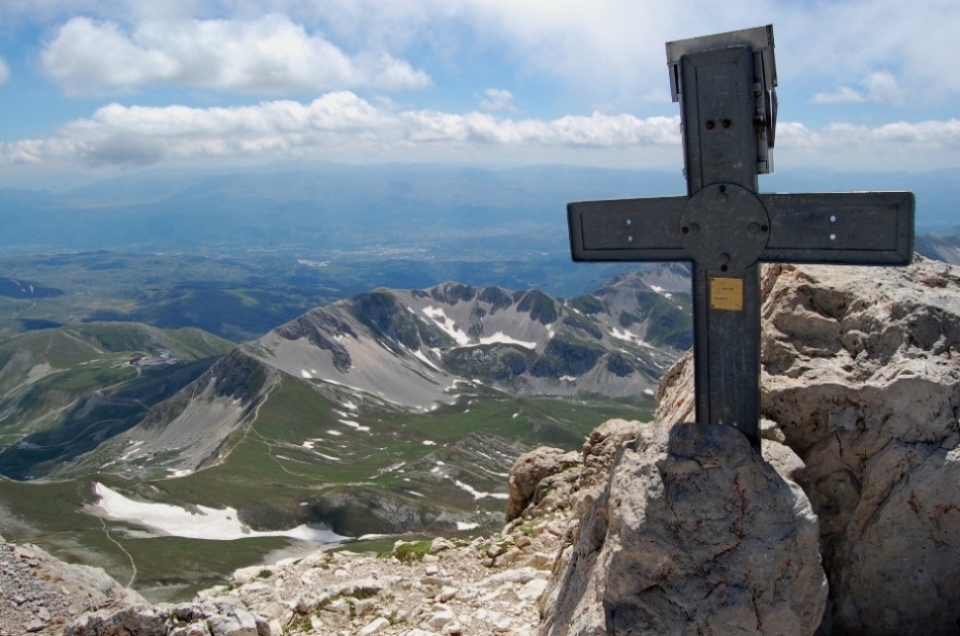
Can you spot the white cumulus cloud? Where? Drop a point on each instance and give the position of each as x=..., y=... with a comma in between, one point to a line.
x=843, y=95
x=882, y=87
x=343, y=126
x=4, y=71
x=333, y=123
x=496, y=99
x=920, y=145
x=268, y=54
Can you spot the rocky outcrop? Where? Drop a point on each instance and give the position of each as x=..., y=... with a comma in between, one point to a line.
x=529, y=477
x=861, y=395
x=549, y=480
x=219, y=617
x=694, y=532
x=863, y=376
x=40, y=594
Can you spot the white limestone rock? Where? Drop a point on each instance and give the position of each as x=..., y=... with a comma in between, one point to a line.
x=863, y=377
x=695, y=534
x=861, y=380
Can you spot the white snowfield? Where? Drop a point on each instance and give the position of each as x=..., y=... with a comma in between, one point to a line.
x=203, y=523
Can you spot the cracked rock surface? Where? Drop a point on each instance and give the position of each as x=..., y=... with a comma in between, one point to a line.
x=863, y=378
x=39, y=594
x=695, y=532
x=860, y=389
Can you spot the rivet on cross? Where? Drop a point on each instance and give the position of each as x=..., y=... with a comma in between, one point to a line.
x=726, y=87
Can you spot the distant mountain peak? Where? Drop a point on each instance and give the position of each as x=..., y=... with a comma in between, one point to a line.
x=410, y=347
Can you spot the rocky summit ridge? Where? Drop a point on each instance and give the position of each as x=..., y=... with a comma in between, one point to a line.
x=412, y=347
x=848, y=522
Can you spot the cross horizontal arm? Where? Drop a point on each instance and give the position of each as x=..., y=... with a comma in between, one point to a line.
x=627, y=230
x=867, y=228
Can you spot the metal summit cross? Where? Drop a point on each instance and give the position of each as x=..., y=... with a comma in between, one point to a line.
x=726, y=87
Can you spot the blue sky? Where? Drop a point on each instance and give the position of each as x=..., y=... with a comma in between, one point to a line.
x=91, y=88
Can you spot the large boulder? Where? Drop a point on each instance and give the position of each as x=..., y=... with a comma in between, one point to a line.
x=862, y=373
x=528, y=473
x=694, y=534
x=547, y=480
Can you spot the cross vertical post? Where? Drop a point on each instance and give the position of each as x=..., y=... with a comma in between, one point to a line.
x=725, y=84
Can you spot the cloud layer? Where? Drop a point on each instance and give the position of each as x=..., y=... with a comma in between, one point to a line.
x=502, y=80
x=338, y=122
x=342, y=125
x=269, y=54
x=611, y=46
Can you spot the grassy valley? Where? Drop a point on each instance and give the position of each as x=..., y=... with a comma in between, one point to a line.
x=64, y=391
x=298, y=462
x=93, y=403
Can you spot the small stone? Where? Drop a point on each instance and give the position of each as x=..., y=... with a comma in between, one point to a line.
x=508, y=557
x=193, y=629
x=441, y=617
x=339, y=606
x=375, y=627
x=439, y=544
x=532, y=590
x=363, y=606
x=542, y=561
x=435, y=580
x=556, y=528
x=25, y=553
x=447, y=592
x=34, y=625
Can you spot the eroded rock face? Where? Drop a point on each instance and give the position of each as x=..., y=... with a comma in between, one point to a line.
x=530, y=470
x=39, y=594
x=695, y=533
x=548, y=480
x=863, y=377
x=861, y=396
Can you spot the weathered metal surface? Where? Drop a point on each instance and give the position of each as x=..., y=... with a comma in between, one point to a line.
x=863, y=228
x=725, y=86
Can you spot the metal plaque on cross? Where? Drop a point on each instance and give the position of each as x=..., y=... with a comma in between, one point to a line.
x=726, y=87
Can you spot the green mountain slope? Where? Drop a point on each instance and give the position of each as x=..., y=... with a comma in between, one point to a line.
x=64, y=391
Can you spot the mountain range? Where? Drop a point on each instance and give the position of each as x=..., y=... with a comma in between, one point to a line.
x=390, y=411
x=179, y=394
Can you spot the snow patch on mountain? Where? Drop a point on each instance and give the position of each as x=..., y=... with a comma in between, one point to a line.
x=441, y=320
x=502, y=338
x=355, y=425
x=200, y=522
x=477, y=494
